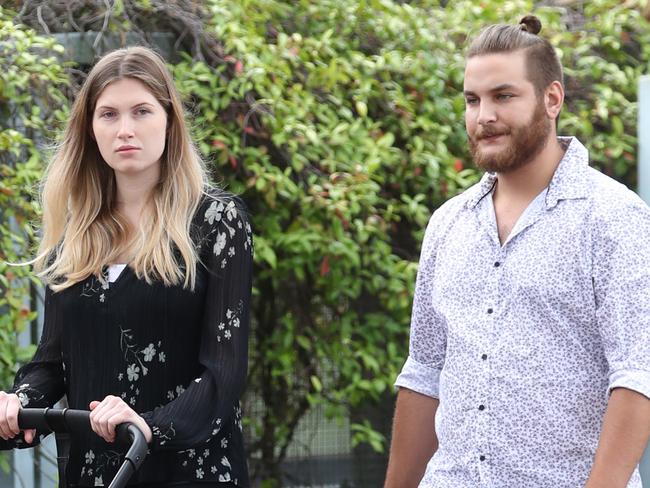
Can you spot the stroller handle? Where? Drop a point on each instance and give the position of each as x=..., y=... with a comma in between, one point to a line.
x=78, y=421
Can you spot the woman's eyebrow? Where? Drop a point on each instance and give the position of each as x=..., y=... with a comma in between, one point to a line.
x=140, y=104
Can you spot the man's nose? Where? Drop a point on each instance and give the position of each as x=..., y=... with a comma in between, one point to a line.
x=486, y=113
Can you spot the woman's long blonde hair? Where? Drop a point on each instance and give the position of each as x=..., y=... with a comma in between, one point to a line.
x=82, y=231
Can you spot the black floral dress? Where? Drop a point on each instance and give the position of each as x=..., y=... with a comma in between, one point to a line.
x=177, y=357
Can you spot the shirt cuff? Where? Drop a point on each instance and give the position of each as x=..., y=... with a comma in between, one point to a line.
x=27, y=394
x=157, y=438
x=420, y=378
x=632, y=379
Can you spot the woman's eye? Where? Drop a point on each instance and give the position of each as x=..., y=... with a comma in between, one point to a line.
x=143, y=111
x=107, y=115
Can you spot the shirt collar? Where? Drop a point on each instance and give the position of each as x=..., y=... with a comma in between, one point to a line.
x=568, y=182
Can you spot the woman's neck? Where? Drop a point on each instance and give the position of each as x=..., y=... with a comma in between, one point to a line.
x=133, y=195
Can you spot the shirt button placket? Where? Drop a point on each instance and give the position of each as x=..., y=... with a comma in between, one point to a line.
x=482, y=408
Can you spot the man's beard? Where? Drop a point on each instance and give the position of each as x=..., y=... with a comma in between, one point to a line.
x=526, y=142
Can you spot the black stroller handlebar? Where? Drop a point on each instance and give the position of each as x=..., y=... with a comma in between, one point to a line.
x=78, y=421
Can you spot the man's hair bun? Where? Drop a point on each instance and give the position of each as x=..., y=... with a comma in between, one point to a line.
x=531, y=24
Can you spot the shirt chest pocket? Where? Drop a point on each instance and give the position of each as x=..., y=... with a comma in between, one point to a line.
x=552, y=272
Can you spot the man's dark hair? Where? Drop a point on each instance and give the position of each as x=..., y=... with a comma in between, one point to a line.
x=542, y=64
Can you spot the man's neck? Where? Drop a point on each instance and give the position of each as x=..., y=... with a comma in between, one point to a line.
x=525, y=183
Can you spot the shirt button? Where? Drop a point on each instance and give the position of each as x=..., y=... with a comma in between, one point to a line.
x=497, y=264
x=484, y=357
x=482, y=457
x=481, y=407
x=489, y=310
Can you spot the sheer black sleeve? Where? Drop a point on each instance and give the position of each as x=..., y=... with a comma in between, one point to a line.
x=40, y=382
x=212, y=399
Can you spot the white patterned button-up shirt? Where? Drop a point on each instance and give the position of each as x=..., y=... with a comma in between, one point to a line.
x=522, y=342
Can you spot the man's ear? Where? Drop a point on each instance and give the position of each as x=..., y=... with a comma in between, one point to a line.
x=554, y=99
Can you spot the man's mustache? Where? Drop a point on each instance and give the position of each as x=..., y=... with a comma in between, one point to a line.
x=486, y=132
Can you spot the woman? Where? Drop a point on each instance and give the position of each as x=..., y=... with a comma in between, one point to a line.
x=148, y=279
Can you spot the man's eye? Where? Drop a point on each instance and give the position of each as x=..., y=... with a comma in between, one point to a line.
x=504, y=96
x=471, y=101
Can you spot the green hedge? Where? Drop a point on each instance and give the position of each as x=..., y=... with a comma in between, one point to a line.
x=31, y=105
x=31, y=80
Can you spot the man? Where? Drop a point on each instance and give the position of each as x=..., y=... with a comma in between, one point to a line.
x=530, y=334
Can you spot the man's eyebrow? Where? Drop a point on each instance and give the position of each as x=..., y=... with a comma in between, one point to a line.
x=498, y=88
x=503, y=86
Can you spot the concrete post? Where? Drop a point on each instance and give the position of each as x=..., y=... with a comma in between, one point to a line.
x=644, y=192
x=644, y=138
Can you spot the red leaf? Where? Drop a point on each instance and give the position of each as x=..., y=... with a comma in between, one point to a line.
x=325, y=266
x=344, y=221
x=443, y=188
x=218, y=144
x=458, y=165
x=239, y=67
x=233, y=161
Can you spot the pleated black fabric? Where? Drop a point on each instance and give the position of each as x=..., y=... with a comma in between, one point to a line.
x=177, y=357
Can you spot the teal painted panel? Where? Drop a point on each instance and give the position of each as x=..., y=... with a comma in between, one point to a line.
x=644, y=138
x=644, y=192
x=87, y=47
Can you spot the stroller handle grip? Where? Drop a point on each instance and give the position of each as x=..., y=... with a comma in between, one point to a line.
x=78, y=421
x=54, y=420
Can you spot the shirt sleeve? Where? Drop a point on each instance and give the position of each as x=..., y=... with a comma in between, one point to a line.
x=40, y=382
x=622, y=291
x=428, y=339
x=211, y=400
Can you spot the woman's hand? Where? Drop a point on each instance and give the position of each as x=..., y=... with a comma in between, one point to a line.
x=111, y=412
x=9, y=407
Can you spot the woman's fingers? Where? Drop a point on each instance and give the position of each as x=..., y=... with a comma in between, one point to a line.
x=5, y=432
x=111, y=412
x=108, y=414
x=29, y=435
x=13, y=407
x=9, y=407
x=98, y=415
